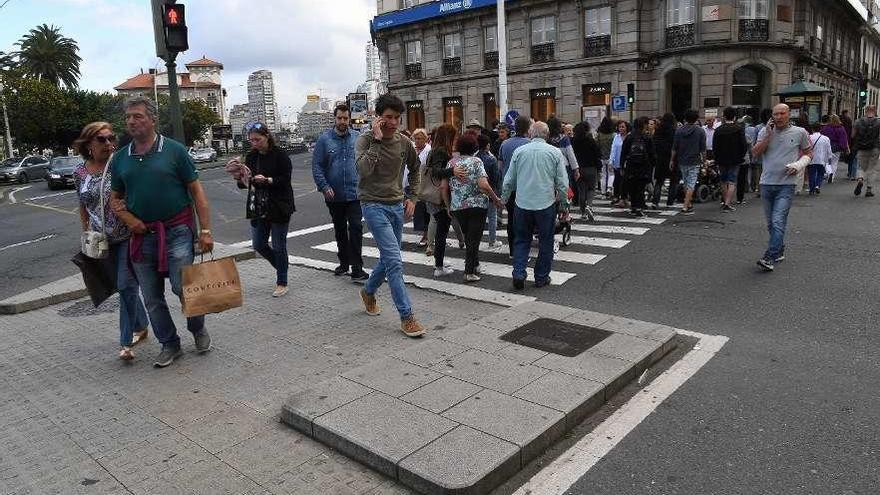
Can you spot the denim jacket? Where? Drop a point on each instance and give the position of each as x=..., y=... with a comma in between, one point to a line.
x=333, y=165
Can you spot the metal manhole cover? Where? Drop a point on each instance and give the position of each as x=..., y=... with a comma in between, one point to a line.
x=558, y=337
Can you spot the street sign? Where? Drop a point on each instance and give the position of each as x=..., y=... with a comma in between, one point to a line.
x=618, y=103
x=358, y=106
x=510, y=118
x=221, y=131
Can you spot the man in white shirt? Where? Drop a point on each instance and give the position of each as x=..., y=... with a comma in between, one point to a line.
x=822, y=155
x=709, y=129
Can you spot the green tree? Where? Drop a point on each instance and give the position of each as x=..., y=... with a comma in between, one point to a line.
x=47, y=55
x=89, y=106
x=197, y=119
x=38, y=111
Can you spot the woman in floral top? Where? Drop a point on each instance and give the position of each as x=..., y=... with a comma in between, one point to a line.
x=96, y=144
x=469, y=201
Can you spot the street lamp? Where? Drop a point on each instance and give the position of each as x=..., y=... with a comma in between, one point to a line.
x=6, y=121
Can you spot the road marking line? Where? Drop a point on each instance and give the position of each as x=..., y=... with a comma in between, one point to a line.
x=17, y=244
x=460, y=290
x=49, y=195
x=486, y=267
x=604, y=202
x=586, y=241
x=609, y=229
x=561, y=474
x=568, y=256
x=313, y=190
x=295, y=233
x=52, y=208
x=12, y=193
x=648, y=220
x=664, y=213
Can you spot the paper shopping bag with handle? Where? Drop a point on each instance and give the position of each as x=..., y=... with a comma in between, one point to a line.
x=210, y=287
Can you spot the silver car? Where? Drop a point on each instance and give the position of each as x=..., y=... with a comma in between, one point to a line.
x=203, y=155
x=23, y=170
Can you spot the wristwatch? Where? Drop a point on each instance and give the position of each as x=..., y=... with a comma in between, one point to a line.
x=205, y=231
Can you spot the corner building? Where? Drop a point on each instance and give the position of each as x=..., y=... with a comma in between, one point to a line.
x=568, y=57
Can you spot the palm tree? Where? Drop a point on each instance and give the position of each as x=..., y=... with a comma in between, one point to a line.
x=46, y=54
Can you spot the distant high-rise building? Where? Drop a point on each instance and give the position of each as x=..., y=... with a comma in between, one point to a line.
x=314, y=118
x=262, y=105
x=374, y=68
x=238, y=117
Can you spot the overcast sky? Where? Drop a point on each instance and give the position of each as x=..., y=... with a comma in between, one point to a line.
x=307, y=44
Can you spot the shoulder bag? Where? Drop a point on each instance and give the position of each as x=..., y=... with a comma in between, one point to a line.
x=95, y=244
x=429, y=189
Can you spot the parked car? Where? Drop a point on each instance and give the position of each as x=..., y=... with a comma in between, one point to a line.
x=203, y=155
x=61, y=171
x=23, y=170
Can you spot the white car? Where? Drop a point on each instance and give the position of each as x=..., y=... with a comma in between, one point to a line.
x=203, y=155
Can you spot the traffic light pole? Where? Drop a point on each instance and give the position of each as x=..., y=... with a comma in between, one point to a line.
x=175, y=114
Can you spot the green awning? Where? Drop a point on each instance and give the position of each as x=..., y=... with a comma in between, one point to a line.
x=802, y=88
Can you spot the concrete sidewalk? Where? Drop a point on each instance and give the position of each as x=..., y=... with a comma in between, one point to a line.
x=75, y=419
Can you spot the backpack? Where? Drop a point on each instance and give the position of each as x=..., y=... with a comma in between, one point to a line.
x=638, y=153
x=869, y=132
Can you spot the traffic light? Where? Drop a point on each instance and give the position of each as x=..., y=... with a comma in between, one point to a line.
x=630, y=93
x=174, y=21
x=863, y=98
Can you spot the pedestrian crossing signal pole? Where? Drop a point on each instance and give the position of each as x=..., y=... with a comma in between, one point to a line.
x=170, y=31
x=501, y=38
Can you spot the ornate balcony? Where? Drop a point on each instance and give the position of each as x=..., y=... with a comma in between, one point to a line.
x=413, y=71
x=681, y=35
x=754, y=30
x=451, y=66
x=543, y=52
x=490, y=60
x=597, y=46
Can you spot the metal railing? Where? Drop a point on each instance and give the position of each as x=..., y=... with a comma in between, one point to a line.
x=597, y=46
x=451, y=66
x=490, y=60
x=543, y=53
x=413, y=71
x=681, y=35
x=754, y=29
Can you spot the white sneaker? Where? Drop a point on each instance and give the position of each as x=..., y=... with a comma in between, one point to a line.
x=471, y=278
x=446, y=270
x=495, y=245
x=477, y=270
x=555, y=247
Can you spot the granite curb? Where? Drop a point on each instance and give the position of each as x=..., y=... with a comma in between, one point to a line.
x=72, y=288
x=462, y=412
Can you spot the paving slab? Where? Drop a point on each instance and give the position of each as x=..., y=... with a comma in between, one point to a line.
x=442, y=394
x=392, y=376
x=581, y=396
x=301, y=409
x=490, y=371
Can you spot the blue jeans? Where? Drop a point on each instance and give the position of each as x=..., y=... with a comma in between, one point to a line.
x=852, y=170
x=524, y=224
x=179, y=246
x=777, y=202
x=492, y=217
x=132, y=314
x=277, y=254
x=817, y=175
x=386, y=225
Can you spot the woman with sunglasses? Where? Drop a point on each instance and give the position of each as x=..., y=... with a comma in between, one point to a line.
x=96, y=144
x=266, y=175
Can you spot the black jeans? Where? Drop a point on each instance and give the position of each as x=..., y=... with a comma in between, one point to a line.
x=742, y=181
x=618, y=186
x=510, y=206
x=421, y=218
x=349, y=232
x=636, y=189
x=472, y=221
x=443, y=222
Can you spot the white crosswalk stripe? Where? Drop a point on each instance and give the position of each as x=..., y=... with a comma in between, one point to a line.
x=662, y=213
x=586, y=241
x=648, y=220
x=486, y=267
x=605, y=202
x=609, y=229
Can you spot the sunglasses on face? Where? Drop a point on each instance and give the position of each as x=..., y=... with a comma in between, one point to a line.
x=106, y=139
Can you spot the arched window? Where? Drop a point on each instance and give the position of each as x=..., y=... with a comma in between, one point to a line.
x=748, y=85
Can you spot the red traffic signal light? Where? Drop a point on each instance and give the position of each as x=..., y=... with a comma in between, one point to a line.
x=174, y=15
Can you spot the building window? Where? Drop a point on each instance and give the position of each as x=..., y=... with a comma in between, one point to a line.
x=452, y=54
x=543, y=103
x=490, y=47
x=415, y=115
x=413, y=67
x=491, y=112
x=680, y=27
x=597, y=29
x=543, y=38
x=753, y=22
x=452, y=111
x=748, y=83
x=406, y=4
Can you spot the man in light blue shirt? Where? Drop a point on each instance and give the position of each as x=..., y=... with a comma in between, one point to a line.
x=537, y=174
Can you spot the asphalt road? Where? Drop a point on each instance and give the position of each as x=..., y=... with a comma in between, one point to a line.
x=788, y=406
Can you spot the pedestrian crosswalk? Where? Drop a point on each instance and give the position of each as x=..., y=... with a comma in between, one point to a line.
x=590, y=243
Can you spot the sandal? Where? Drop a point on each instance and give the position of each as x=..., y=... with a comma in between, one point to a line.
x=140, y=336
x=125, y=354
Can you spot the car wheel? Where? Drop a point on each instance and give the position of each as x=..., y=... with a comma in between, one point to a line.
x=23, y=178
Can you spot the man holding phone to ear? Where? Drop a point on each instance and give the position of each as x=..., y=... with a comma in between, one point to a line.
x=381, y=157
x=786, y=150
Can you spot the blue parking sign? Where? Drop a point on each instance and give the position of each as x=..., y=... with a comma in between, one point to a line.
x=618, y=103
x=510, y=118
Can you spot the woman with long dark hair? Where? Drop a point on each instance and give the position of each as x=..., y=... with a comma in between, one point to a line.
x=266, y=175
x=623, y=129
x=559, y=139
x=637, y=161
x=589, y=159
x=663, y=136
x=437, y=175
x=605, y=138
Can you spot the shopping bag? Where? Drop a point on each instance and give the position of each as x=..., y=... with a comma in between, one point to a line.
x=211, y=286
x=99, y=276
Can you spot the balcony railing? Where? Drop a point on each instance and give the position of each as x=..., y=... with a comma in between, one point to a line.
x=490, y=60
x=413, y=71
x=681, y=35
x=543, y=52
x=451, y=66
x=597, y=46
x=754, y=30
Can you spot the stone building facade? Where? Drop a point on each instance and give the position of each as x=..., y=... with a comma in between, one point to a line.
x=569, y=57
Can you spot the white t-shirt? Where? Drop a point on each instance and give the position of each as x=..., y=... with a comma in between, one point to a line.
x=821, y=149
x=710, y=133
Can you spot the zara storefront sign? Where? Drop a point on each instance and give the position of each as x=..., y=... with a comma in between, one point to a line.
x=427, y=11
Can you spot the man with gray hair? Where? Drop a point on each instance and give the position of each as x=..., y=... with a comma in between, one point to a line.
x=537, y=174
x=153, y=188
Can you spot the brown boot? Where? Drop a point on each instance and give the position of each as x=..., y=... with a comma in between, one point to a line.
x=411, y=327
x=370, y=304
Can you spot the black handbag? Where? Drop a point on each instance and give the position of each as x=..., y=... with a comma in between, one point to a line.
x=99, y=276
x=257, y=205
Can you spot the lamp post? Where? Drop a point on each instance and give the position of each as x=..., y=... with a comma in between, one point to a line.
x=502, y=59
x=6, y=121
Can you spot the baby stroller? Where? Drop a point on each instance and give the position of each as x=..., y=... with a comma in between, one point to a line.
x=708, y=187
x=563, y=221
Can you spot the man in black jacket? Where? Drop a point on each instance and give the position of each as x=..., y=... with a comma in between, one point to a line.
x=730, y=147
